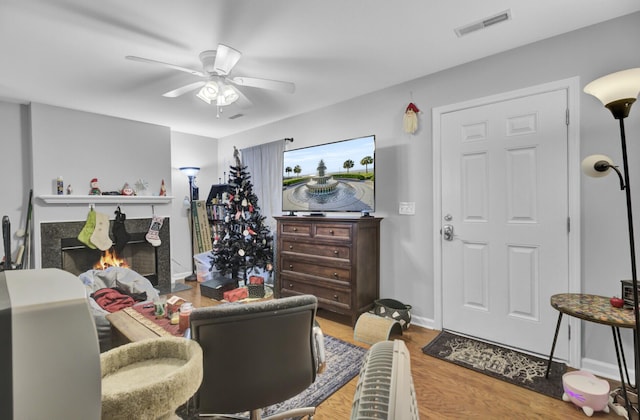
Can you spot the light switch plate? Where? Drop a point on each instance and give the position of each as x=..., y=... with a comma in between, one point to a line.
x=407, y=207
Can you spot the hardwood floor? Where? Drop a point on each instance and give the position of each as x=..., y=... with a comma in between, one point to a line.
x=447, y=391
x=444, y=390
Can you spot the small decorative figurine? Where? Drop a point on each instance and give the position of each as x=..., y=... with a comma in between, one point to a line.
x=126, y=189
x=236, y=156
x=95, y=187
x=163, y=189
x=69, y=190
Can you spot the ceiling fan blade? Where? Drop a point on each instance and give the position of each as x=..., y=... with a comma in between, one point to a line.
x=243, y=102
x=286, y=87
x=184, y=89
x=171, y=66
x=226, y=59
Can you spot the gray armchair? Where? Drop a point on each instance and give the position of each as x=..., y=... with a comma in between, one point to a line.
x=257, y=354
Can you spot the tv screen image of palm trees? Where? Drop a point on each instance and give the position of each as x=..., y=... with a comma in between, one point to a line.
x=335, y=176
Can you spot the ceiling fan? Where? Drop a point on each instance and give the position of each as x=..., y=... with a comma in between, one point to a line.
x=216, y=86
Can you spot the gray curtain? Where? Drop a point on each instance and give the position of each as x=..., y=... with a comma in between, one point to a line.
x=264, y=163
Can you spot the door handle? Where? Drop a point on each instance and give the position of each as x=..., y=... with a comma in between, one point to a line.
x=447, y=232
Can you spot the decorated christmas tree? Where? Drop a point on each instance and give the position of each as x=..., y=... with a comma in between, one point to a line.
x=244, y=242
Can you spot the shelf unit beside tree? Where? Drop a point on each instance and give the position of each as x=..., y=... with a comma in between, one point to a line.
x=217, y=209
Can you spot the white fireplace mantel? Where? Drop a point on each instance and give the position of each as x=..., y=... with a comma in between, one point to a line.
x=104, y=199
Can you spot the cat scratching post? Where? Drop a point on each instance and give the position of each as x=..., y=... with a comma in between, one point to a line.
x=371, y=328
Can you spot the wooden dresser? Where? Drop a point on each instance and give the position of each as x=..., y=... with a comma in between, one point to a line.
x=335, y=259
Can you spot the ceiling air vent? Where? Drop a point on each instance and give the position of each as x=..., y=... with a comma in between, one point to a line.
x=233, y=117
x=484, y=23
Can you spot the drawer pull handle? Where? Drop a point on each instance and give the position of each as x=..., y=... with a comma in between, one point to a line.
x=335, y=275
x=335, y=297
x=331, y=231
x=335, y=252
x=290, y=267
x=290, y=285
x=290, y=246
x=295, y=229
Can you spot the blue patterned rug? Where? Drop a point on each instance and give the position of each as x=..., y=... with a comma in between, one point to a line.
x=343, y=364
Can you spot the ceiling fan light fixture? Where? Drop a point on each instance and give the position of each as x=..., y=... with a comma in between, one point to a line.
x=209, y=92
x=227, y=95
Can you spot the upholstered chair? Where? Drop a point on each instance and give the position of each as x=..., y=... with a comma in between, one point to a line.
x=257, y=354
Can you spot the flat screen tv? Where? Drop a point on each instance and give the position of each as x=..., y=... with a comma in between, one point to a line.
x=330, y=177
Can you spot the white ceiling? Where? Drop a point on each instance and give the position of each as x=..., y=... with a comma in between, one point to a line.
x=70, y=53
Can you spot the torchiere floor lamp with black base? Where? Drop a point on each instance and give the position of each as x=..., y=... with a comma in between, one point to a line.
x=191, y=172
x=617, y=92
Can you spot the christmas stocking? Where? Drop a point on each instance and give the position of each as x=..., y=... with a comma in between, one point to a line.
x=85, y=234
x=119, y=232
x=100, y=236
x=153, y=236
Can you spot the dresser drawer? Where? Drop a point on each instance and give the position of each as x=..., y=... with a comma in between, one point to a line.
x=333, y=251
x=295, y=229
x=303, y=267
x=333, y=231
x=333, y=296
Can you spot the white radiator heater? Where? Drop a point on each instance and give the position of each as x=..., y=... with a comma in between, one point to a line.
x=385, y=387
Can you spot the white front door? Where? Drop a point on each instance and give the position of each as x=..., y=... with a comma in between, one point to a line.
x=504, y=195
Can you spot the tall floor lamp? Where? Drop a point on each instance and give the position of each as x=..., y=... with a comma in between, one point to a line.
x=617, y=92
x=191, y=172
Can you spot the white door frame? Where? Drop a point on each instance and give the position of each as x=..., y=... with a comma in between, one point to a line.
x=572, y=85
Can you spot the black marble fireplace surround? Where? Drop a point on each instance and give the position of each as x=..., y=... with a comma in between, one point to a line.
x=53, y=234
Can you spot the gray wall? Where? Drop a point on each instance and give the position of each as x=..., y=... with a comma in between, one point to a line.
x=15, y=169
x=403, y=162
x=188, y=150
x=41, y=142
x=403, y=166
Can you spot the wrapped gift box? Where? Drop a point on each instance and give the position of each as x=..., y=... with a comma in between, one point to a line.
x=256, y=280
x=216, y=287
x=236, y=294
x=256, y=290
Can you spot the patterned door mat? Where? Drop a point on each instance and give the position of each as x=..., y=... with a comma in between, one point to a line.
x=508, y=365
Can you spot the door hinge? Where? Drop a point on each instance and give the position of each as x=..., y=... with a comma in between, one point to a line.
x=567, y=116
x=568, y=225
x=569, y=331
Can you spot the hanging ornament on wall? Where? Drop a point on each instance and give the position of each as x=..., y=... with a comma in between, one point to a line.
x=410, y=118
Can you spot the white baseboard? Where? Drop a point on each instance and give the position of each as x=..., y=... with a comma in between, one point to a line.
x=605, y=370
x=423, y=322
x=179, y=277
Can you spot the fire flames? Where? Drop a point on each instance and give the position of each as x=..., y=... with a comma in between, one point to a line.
x=110, y=259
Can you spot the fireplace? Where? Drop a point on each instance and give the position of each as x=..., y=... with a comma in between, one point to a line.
x=61, y=249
